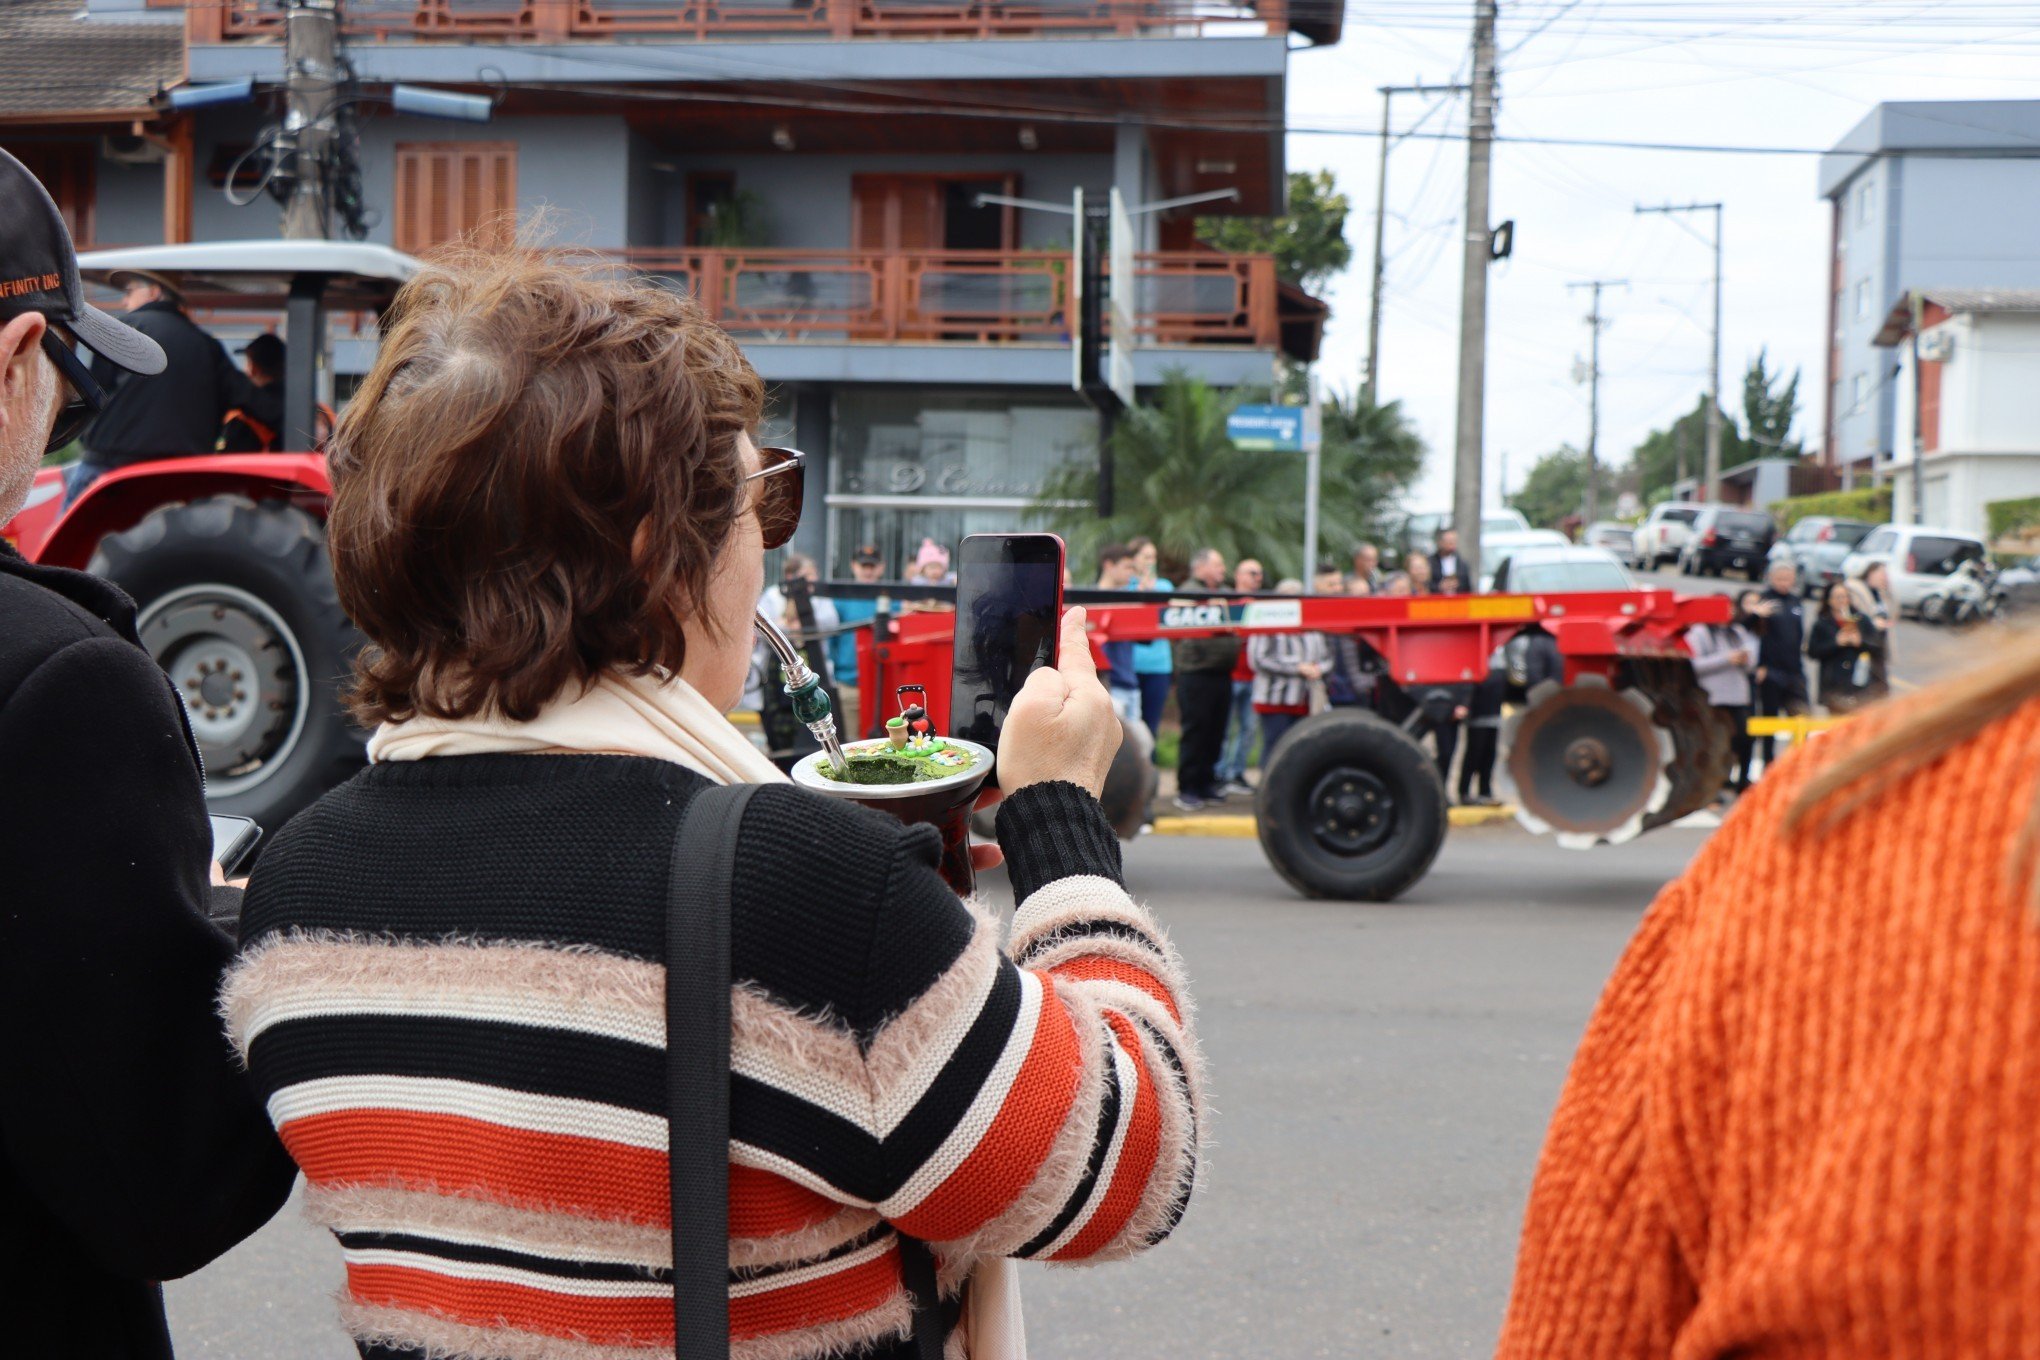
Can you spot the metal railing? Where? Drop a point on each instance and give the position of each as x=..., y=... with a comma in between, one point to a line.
x=560, y=20
x=965, y=296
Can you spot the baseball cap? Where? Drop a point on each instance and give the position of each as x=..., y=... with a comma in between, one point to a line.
x=39, y=273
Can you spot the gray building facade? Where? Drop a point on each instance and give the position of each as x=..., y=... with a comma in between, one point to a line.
x=1927, y=195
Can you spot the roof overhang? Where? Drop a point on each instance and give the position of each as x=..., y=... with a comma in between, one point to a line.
x=259, y=274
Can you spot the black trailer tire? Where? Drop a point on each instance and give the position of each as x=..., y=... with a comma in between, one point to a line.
x=237, y=604
x=1350, y=807
x=1132, y=780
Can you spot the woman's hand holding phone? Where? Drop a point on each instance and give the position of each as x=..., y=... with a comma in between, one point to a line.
x=1061, y=725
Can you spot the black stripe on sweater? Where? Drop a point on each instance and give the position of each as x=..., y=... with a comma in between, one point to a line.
x=1179, y=1203
x=1079, y=930
x=1101, y=1146
x=540, y=1061
x=845, y=1155
x=478, y=1254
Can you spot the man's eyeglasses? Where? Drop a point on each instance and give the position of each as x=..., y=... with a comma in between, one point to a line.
x=782, y=490
x=87, y=397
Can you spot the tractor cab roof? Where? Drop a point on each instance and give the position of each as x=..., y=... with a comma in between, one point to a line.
x=249, y=275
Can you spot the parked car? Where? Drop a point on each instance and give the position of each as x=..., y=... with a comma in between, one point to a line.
x=1615, y=536
x=1725, y=539
x=1816, y=548
x=1556, y=569
x=1919, y=558
x=1664, y=532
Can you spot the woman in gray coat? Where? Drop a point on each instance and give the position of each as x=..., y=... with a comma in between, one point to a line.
x=1725, y=664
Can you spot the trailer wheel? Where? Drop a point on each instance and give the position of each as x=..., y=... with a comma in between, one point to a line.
x=1350, y=807
x=238, y=607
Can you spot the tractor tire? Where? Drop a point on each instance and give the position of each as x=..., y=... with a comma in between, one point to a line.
x=237, y=605
x=1350, y=807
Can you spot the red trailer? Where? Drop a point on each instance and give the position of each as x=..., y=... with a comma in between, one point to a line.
x=1350, y=805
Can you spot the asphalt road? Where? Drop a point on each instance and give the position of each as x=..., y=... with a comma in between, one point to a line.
x=1381, y=1077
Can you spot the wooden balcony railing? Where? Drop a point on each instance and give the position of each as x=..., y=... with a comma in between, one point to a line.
x=561, y=20
x=964, y=296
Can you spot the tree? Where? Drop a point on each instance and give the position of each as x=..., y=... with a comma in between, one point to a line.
x=1557, y=487
x=1656, y=462
x=1768, y=415
x=1308, y=241
x=1178, y=479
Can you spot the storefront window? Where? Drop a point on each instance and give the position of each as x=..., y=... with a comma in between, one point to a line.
x=907, y=466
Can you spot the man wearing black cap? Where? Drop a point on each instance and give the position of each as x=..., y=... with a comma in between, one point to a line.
x=166, y=414
x=132, y=1148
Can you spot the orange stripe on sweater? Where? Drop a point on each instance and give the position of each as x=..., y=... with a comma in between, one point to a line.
x=492, y=1303
x=456, y=1155
x=1012, y=1150
x=1093, y=969
x=845, y=1294
x=1137, y=1157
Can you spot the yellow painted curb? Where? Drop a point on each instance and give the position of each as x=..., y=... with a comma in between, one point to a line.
x=1241, y=824
x=1234, y=824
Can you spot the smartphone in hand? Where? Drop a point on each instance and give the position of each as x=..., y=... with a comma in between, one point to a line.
x=1009, y=603
x=233, y=838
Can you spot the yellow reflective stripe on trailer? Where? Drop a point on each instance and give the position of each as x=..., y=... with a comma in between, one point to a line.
x=1473, y=607
x=1796, y=728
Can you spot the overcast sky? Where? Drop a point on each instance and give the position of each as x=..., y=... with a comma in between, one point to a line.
x=1709, y=71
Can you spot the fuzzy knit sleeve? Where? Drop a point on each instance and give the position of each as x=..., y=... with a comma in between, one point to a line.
x=1599, y=1274
x=1053, y=1090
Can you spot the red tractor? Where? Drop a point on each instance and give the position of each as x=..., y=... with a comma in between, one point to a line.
x=225, y=554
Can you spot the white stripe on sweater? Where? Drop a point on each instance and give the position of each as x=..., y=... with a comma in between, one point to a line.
x=500, y=1274
x=786, y=1279
x=581, y=1016
x=978, y=1119
x=471, y=1100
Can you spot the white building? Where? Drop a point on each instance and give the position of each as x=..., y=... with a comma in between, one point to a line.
x=1978, y=396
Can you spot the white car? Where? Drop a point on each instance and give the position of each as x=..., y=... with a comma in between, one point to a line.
x=1660, y=537
x=1500, y=531
x=1557, y=569
x=1918, y=557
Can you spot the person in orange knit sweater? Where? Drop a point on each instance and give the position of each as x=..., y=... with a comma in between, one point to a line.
x=1804, y=1120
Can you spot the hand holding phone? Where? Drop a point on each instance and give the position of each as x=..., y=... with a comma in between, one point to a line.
x=233, y=838
x=1062, y=725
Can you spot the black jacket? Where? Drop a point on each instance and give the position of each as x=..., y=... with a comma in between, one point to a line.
x=264, y=407
x=132, y=1147
x=1836, y=663
x=1449, y=575
x=172, y=413
x=1782, y=644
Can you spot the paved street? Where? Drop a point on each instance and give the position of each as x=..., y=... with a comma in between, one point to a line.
x=1381, y=1076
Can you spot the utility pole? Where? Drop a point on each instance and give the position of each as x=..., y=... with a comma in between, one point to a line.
x=1388, y=94
x=311, y=75
x=1919, y=442
x=1710, y=477
x=1480, y=135
x=1594, y=325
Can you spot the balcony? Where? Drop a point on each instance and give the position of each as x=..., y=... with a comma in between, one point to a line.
x=980, y=297
x=552, y=21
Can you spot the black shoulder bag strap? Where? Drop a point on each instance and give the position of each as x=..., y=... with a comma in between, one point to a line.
x=698, y=1089
x=698, y=1068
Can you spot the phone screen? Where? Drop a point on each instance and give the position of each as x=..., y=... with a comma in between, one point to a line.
x=1008, y=616
x=232, y=839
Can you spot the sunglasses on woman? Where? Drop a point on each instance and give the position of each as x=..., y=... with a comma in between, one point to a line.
x=782, y=489
x=87, y=397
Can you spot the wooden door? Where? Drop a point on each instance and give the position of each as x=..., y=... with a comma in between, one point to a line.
x=896, y=212
x=447, y=190
x=66, y=170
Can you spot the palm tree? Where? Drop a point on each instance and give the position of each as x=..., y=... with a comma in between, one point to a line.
x=1178, y=479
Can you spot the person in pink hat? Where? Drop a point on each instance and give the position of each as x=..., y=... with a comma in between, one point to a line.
x=931, y=564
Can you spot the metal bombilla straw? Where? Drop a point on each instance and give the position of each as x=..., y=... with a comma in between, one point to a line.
x=804, y=691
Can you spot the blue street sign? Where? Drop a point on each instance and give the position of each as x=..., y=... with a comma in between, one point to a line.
x=1268, y=429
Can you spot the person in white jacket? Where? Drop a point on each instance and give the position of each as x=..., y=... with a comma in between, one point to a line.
x=1725, y=664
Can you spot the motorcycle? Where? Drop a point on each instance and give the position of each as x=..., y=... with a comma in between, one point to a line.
x=1972, y=595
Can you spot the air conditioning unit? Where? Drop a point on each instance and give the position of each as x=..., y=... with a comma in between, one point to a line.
x=1937, y=346
x=125, y=149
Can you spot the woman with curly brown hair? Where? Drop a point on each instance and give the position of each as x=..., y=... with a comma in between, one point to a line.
x=549, y=520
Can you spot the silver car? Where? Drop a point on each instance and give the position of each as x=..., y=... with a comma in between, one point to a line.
x=1815, y=548
x=1615, y=536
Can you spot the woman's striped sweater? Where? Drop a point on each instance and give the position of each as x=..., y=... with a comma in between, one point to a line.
x=451, y=997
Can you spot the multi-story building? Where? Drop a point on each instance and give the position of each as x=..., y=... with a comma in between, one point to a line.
x=1926, y=196
x=815, y=171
